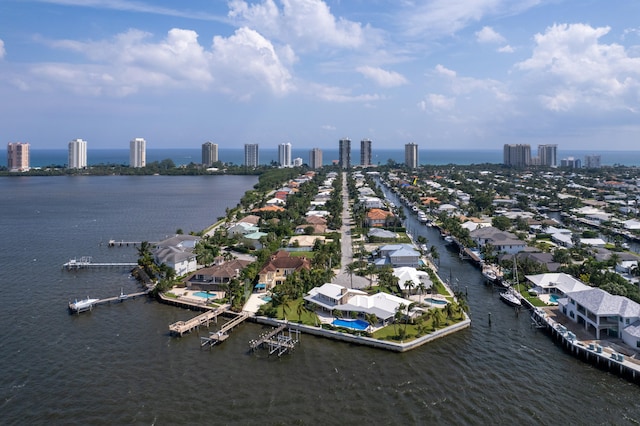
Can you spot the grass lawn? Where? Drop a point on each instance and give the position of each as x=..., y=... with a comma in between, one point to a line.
x=292, y=308
x=307, y=254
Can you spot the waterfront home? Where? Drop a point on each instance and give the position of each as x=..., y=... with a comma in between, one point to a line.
x=544, y=259
x=631, y=225
x=216, y=277
x=177, y=253
x=603, y=314
x=241, y=228
x=397, y=255
x=378, y=218
x=333, y=297
x=407, y=274
x=502, y=241
x=279, y=266
x=268, y=209
x=303, y=242
x=382, y=234
x=251, y=219
x=556, y=283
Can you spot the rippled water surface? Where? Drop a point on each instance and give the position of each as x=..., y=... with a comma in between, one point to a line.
x=118, y=364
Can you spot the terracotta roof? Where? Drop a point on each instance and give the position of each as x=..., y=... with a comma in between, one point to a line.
x=227, y=269
x=316, y=220
x=283, y=260
x=378, y=214
x=268, y=209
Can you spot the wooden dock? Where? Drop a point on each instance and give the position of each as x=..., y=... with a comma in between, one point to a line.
x=122, y=243
x=222, y=334
x=180, y=327
x=87, y=262
x=276, y=341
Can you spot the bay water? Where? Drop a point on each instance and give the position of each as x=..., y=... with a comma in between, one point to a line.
x=118, y=364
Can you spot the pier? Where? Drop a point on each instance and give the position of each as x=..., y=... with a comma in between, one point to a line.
x=222, y=334
x=180, y=327
x=87, y=262
x=87, y=304
x=600, y=353
x=277, y=341
x=122, y=243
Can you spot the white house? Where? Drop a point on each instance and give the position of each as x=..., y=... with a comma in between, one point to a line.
x=406, y=274
x=604, y=314
x=331, y=297
x=502, y=242
x=556, y=283
x=177, y=253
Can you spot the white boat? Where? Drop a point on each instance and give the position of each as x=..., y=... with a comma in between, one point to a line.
x=489, y=274
x=448, y=239
x=510, y=297
x=422, y=217
x=82, y=305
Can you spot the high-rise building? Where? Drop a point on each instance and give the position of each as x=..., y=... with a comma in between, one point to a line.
x=18, y=156
x=592, y=161
x=297, y=162
x=411, y=155
x=345, y=153
x=315, y=158
x=77, y=154
x=284, y=155
x=251, y=155
x=571, y=162
x=517, y=155
x=138, y=153
x=209, y=153
x=365, y=152
x=547, y=155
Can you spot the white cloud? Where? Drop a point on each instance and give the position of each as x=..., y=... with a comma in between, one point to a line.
x=571, y=69
x=329, y=127
x=506, y=49
x=338, y=94
x=238, y=65
x=446, y=17
x=247, y=57
x=382, y=77
x=305, y=24
x=489, y=35
x=2, y=51
x=437, y=102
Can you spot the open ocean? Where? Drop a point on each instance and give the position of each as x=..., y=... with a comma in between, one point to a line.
x=118, y=364
x=47, y=157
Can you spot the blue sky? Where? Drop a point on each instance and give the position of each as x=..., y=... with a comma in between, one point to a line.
x=445, y=74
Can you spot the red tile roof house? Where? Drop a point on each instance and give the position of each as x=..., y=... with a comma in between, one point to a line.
x=280, y=265
x=378, y=217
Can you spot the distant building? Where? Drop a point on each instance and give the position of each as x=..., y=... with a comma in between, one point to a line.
x=297, y=162
x=548, y=155
x=138, y=153
x=365, y=152
x=18, y=156
x=345, y=153
x=284, y=155
x=209, y=153
x=592, y=161
x=411, y=155
x=517, y=155
x=570, y=162
x=77, y=154
x=251, y=155
x=315, y=158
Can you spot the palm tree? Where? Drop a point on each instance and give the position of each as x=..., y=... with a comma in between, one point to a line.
x=433, y=251
x=351, y=269
x=421, y=289
x=409, y=285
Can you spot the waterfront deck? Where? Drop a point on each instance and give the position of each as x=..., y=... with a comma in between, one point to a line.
x=181, y=327
x=222, y=334
x=87, y=262
x=87, y=304
x=276, y=341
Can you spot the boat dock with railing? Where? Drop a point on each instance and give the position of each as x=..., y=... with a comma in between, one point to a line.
x=87, y=304
x=87, y=262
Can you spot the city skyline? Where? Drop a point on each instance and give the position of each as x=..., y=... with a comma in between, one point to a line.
x=459, y=75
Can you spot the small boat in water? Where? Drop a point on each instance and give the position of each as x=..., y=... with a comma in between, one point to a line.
x=82, y=305
x=511, y=298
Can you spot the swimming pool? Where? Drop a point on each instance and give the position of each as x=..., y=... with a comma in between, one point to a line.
x=436, y=301
x=354, y=324
x=554, y=298
x=205, y=295
x=266, y=298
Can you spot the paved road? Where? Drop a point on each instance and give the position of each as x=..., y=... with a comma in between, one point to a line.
x=342, y=276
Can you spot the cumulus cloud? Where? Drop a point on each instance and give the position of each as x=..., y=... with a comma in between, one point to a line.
x=251, y=57
x=382, y=77
x=435, y=101
x=489, y=35
x=571, y=69
x=506, y=49
x=339, y=94
x=2, y=51
x=304, y=24
x=239, y=65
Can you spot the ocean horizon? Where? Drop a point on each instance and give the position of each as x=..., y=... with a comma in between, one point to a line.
x=59, y=157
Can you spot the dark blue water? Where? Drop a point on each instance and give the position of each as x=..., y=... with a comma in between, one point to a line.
x=47, y=157
x=118, y=364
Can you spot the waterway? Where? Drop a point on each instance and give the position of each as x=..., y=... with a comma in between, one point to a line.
x=119, y=365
